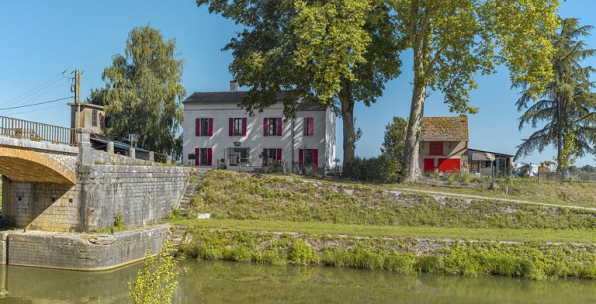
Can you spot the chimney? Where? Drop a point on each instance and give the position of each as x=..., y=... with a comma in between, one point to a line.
x=233, y=86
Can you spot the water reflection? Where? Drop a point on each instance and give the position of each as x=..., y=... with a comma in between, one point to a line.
x=225, y=282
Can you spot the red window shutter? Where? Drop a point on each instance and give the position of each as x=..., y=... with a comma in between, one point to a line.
x=301, y=157
x=265, y=127
x=231, y=124
x=310, y=126
x=315, y=156
x=279, y=126
x=210, y=126
x=278, y=155
x=197, y=156
x=265, y=156
x=198, y=127
x=209, y=156
x=244, y=123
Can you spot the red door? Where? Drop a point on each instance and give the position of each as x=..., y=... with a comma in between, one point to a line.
x=429, y=165
x=449, y=164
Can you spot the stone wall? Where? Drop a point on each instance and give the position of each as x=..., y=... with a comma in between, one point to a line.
x=140, y=194
x=83, y=252
x=41, y=206
x=105, y=158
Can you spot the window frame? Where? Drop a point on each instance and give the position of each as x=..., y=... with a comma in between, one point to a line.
x=204, y=128
x=272, y=125
x=94, y=118
x=238, y=127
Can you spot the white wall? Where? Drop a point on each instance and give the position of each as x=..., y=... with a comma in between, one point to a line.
x=255, y=141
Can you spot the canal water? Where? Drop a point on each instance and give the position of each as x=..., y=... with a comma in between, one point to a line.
x=227, y=282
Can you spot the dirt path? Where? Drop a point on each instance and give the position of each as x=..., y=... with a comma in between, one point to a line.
x=498, y=199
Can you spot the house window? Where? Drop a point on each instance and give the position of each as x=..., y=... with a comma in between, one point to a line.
x=94, y=118
x=204, y=127
x=308, y=126
x=203, y=156
x=237, y=126
x=271, y=155
x=272, y=126
x=308, y=157
x=436, y=148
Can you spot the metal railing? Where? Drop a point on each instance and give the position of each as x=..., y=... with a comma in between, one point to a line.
x=24, y=129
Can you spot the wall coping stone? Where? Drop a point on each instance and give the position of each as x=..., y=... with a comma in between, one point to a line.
x=38, y=145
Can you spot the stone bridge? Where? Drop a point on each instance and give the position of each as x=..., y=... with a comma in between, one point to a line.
x=65, y=188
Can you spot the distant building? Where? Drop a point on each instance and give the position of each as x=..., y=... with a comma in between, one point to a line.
x=486, y=162
x=89, y=116
x=219, y=133
x=443, y=144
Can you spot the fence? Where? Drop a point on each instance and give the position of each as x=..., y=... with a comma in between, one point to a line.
x=18, y=128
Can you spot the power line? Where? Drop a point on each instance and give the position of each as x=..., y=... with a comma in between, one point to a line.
x=36, y=89
x=35, y=104
x=36, y=110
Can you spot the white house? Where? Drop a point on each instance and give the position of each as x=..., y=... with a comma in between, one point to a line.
x=216, y=130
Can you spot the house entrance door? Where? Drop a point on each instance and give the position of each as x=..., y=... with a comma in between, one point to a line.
x=238, y=156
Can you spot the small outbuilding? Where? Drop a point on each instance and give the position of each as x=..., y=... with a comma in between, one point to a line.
x=486, y=162
x=443, y=143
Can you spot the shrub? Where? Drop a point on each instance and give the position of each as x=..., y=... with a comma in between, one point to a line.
x=379, y=169
x=301, y=253
x=156, y=281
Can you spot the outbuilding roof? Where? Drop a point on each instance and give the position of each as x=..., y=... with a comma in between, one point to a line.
x=444, y=129
x=238, y=97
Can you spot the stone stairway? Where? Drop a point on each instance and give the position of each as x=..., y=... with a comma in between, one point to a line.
x=195, y=181
x=176, y=238
x=177, y=233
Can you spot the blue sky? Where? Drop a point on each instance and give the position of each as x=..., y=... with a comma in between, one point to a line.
x=41, y=39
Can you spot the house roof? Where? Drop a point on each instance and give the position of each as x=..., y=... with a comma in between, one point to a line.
x=495, y=153
x=444, y=129
x=117, y=144
x=238, y=97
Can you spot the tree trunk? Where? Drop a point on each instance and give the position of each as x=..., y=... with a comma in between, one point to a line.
x=347, y=113
x=411, y=162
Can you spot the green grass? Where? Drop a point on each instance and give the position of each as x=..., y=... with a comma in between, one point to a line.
x=520, y=235
x=231, y=195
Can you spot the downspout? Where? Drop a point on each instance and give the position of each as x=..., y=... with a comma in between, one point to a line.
x=293, y=146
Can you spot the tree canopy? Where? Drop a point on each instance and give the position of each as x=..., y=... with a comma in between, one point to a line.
x=567, y=108
x=335, y=52
x=455, y=40
x=394, y=142
x=144, y=90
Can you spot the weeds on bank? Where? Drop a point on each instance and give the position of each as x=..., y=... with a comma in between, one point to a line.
x=532, y=260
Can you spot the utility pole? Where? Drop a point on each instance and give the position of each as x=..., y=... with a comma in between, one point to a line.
x=77, y=92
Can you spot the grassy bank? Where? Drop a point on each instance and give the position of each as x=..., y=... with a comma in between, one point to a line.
x=517, y=235
x=229, y=195
x=292, y=220
x=534, y=260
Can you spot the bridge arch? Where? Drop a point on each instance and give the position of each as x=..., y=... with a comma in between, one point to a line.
x=26, y=166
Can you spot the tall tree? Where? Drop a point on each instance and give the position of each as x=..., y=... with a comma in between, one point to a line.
x=568, y=105
x=335, y=52
x=394, y=142
x=454, y=40
x=144, y=90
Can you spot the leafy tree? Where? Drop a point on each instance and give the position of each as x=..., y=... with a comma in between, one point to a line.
x=394, y=143
x=156, y=281
x=454, y=40
x=143, y=91
x=567, y=106
x=335, y=52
